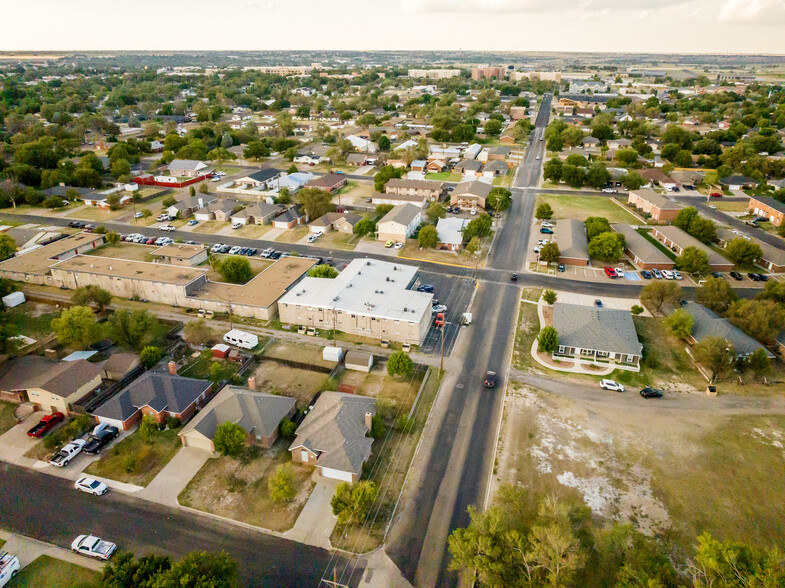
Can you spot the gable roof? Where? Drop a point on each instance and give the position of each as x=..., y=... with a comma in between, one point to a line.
x=187, y=164
x=656, y=199
x=327, y=181
x=289, y=215
x=356, y=158
x=589, y=327
x=738, y=179
x=61, y=378
x=327, y=219
x=120, y=362
x=259, y=209
x=640, y=246
x=707, y=324
x=468, y=164
x=770, y=202
x=496, y=165
x=336, y=432
x=158, y=391
x=264, y=175
x=402, y=214
x=570, y=236
x=473, y=188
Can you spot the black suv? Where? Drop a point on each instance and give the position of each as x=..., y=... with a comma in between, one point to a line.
x=490, y=379
x=651, y=393
x=736, y=276
x=101, y=440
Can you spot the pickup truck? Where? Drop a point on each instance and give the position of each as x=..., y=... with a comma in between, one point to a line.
x=93, y=546
x=67, y=453
x=9, y=567
x=46, y=424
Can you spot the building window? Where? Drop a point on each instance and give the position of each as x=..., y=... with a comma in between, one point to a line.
x=561, y=348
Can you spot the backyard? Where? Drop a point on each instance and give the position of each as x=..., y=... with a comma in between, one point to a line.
x=444, y=177
x=123, y=250
x=55, y=573
x=201, y=367
x=582, y=207
x=237, y=488
x=33, y=319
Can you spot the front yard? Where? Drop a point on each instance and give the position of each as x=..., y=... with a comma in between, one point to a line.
x=412, y=250
x=136, y=460
x=209, y=227
x=252, y=231
x=582, y=207
x=293, y=235
x=237, y=488
x=7, y=420
x=336, y=240
x=55, y=573
x=98, y=215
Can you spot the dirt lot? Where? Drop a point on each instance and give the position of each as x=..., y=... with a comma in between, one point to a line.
x=276, y=378
x=296, y=352
x=393, y=395
x=672, y=472
x=237, y=488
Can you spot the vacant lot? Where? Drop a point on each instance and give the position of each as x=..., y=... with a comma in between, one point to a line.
x=581, y=207
x=237, y=488
x=444, y=177
x=277, y=378
x=54, y=573
x=98, y=215
x=33, y=319
x=394, y=396
x=293, y=235
x=528, y=327
x=310, y=354
x=412, y=250
x=136, y=460
x=122, y=250
x=729, y=205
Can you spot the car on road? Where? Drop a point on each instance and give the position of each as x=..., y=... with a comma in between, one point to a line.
x=715, y=195
x=193, y=222
x=538, y=158
x=46, y=424
x=598, y=303
x=651, y=393
x=425, y=288
x=609, y=190
x=514, y=277
x=100, y=440
x=546, y=231
x=69, y=451
x=439, y=320
x=90, y=486
x=75, y=225
x=561, y=267
x=611, y=385
x=610, y=272
x=438, y=308
x=166, y=227
x=646, y=275
x=490, y=379
x=93, y=546
x=736, y=276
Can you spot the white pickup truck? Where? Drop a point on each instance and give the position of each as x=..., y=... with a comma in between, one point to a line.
x=9, y=567
x=67, y=453
x=93, y=546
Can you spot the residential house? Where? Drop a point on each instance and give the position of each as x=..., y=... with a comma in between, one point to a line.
x=596, y=336
x=101, y=200
x=677, y=240
x=260, y=213
x=570, y=236
x=51, y=385
x=396, y=199
x=264, y=178
x=358, y=159
x=619, y=143
x=400, y=223
x=470, y=195
x=308, y=157
x=645, y=255
x=430, y=189
x=591, y=144
x=435, y=166
x=186, y=208
x=119, y=365
x=495, y=168
x=773, y=257
x=707, y=324
x=655, y=177
x=500, y=152
x=64, y=191
x=472, y=151
x=156, y=394
x=772, y=209
x=258, y=414
x=362, y=144
x=419, y=165
x=181, y=254
x=342, y=222
x=656, y=205
x=468, y=167
x=187, y=168
x=334, y=435
x=290, y=218
x=329, y=182
x=738, y=182
x=450, y=232
x=217, y=210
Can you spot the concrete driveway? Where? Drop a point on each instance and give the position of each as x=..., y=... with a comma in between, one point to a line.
x=168, y=484
x=14, y=443
x=316, y=521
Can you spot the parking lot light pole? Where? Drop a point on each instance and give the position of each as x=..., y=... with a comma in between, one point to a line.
x=441, y=363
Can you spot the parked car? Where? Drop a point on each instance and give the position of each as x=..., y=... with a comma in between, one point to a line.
x=389, y=244
x=46, y=424
x=193, y=222
x=547, y=224
x=677, y=275
x=716, y=275
x=609, y=190
x=763, y=277
x=754, y=277
x=90, y=486
x=736, y=276
x=236, y=226
x=598, y=303
x=100, y=440
x=611, y=385
x=646, y=275
x=490, y=379
x=657, y=273
x=63, y=457
x=668, y=275
x=715, y=195
x=610, y=272
x=166, y=227
x=546, y=231
x=425, y=288
x=561, y=267
x=75, y=225
x=235, y=250
x=651, y=393
x=619, y=272
x=93, y=546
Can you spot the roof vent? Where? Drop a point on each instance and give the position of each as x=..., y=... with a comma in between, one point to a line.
x=405, y=309
x=387, y=279
x=366, y=263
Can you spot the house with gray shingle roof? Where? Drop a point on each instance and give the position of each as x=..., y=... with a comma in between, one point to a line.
x=257, y=413
x=570, y=236
x=707, y=324
x=597, y=336
x=334, y=435
x=400, y=223
x=643, y=252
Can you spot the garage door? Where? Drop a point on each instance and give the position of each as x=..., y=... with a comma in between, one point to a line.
x=111, y=422
x=197, y=440
x=337, y=474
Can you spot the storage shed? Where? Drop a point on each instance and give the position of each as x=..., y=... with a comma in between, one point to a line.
x=331, y=353
x=221, y=350
x=13, y=299
x=359, y=361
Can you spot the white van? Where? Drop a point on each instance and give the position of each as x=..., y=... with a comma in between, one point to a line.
x=241, y=339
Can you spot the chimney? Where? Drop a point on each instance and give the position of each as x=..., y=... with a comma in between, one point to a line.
x=173, y=368
x=368, y=420
x=252, y=383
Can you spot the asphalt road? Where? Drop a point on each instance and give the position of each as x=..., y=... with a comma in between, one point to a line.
x=49, y=509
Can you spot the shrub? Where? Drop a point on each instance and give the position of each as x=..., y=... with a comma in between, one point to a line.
x=150, y=356
x=229, y=439
x=130, y=463
x=400, y=364
x=280, y=484
x=377, y=427
x=173, y=422
x=405, y=424
x=287, y=429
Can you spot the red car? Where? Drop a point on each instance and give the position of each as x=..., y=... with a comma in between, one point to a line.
x=715, y=195
x=46, y=424
x=439, y=320
x=610, y=272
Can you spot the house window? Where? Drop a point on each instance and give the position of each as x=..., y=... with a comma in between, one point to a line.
x=630, y=358
x=561, y=349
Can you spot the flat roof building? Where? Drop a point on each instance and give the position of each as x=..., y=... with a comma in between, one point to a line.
x=33, y=266
x=182, y=254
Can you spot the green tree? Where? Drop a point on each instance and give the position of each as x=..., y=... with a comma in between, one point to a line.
x=131, y=327
x=703, y=229
x=657, y=293
x=716, y=294
x=552, y=170
x=608, y=247
x=256, y=150
x=680, y=323
x=473, y=246
x=636, y=309
x=549, y=296
x=378, y=428
x=235, y=270
x=199, y=569
x=478, y=227
x=229, y=439
x=428, y=237
x=150, y=356
x=315, y=202
x=716, y=354
x=323, y=271
x=734, y=564
x=684, y=217
x=197, y=332
x=124, y=571
x=191, y=191
x=550, y=253
x=120, y=167
x=284, y=196
x=492, y=128
x=147, y=213
x=383, y=209
x=280, y=485
x=112, y=238
x=693, y=260
x=7, y=246
x=773, y=291
x=762, y=319
x=759, y=363
x=632, y=180
x=596, y=225
x=743, y=252
x=384, y=143
x=385, y=174
x=288, y=429
x=543, y=212
x=365, y=227
x=91, y=295
x=435, y=211
x=168, y=201
x=352, y=503
x=75, y=327
x=499, y=199
x=547, y=340
x=598, y=176
x=400, y=364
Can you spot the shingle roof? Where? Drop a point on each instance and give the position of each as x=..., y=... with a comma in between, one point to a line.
x=641, y=247
x=468, y=164
x=263, y=175
x=708, y=324
x=474, y=188
x=738, y=179
x=187, y=164
x=589, y=327
x=289, y=215
x=402, y=214
x=684, y=240
x=496, y=165
x=260, y=209
x=770, y=202
x=61, y=378
x=120, y=362
x=336, y=431
x=570, y=236
x=158, y=391
x=327, y=181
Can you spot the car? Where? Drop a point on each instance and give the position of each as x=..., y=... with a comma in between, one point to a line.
x=543, y=242
x=715, y=195
x=514, y=277
x=736, y=276
x=66, y=453
x=90, y=486
x=473, y=211
x=208, y=314
x=619, y=272
x=339, y=172
x=100, y=440
x=456, y=210
x=190, y=243
x=216, y=248
x=438, y=308
x=675, y=189
x=9, y=567
x=398, y=245
x=163, y=218
x=546, y=231
x=611, y=385
x=561, y=267
x=166, y=227
x=646, y=275
x=93, y=546
x=490, y=379
x=538, y=158
x=276, y=255
x=425, y=288
x=536, y=250
x=150, y=241
x=234, y=250
x=546, y=224
x=651, y=393
x=46, y=424
x=668, y=275
x=439, y=320
x=715, y=275
x=312, y=237
x=450, y=188
x=193, y=222
x=75, y=225
x=90, y=228
x=609, y=190
x=310, y=331
x=763, y=277
x=657, y=273
x=677, y=275
x=610, y=272
x=598, y=303
x=236, y=226
x=753, y=276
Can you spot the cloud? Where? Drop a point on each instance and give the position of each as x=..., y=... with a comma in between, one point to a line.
x=520, y=6
x=759, y=12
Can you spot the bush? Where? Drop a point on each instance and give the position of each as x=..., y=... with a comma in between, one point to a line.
x=129, y=463
x=280, y=484
x=148, y=427
x=287, y=429
x=547, y=340
x=150, y=356
x=405, y=424
x=173, y=422
x=229, y=439
x=549, y=296
x=636, y=309
x=378, y=427
x=400, y=364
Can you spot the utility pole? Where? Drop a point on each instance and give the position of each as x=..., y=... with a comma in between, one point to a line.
x=441, y=363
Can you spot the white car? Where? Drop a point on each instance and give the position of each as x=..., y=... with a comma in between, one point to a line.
x=234, y=250
x=138, y=215
x=237, y=226
x=438, y=308
x=609, y=191
x=543, y=242
x=546, y=224
x=166, y=227
x=398, y=245
x=9, y=567
x=215, y=179
x=93, y=546
x=216, y=248
x=619, y=272
x=63, y=457
x=611, y=385
x=668, y=275
x=90, y=486
x=677, y=275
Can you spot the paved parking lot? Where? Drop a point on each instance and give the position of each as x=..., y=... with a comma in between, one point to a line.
x=455, y=294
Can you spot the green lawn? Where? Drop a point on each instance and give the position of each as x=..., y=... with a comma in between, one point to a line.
x=444, y=177
x=135, y=460
x=729, y=205
x=647, y=235
x=54, y=573
x=337, y=240
x=98, y=215
x=210, y=227
x=201, y=367
x=581, y=207
x=7, y=419
x=31, y=324
x=252, y=231
x=527, y=329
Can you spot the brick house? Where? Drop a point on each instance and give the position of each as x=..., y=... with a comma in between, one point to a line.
x=772, y=209
x=329, y=183
x=643, y=252
x=653, y=204
x=430, y=189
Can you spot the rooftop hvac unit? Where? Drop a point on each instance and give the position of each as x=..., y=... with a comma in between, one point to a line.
x=405, y=309
x=387, y=279
x=367, y=263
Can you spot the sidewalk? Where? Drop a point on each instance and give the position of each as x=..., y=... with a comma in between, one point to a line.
x=28, y=550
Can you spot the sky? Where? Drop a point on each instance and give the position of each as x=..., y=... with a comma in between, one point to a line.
x=662, y=26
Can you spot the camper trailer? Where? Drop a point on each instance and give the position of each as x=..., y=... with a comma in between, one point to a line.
x=241, y=339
